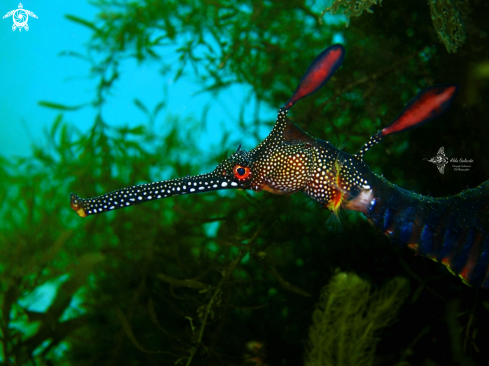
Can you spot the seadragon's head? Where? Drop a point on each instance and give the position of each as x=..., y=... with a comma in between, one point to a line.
x=289, y=159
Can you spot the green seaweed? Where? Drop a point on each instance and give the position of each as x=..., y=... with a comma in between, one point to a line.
x=352, y=8
x=348, y=319
x=448, y=16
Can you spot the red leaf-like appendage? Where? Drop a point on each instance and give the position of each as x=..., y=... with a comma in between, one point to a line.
x=318, y=73
x=429, y=104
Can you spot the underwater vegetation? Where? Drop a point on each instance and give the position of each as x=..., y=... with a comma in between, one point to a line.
x=192, y=280
x=449, y=17
x=353, y=8
x=348, y=319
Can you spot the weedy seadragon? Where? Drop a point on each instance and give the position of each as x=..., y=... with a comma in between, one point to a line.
x=452, y=230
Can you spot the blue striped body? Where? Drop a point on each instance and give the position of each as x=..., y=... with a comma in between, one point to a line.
x=452, y=230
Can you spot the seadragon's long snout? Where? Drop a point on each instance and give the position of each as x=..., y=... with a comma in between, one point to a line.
x=148, y=192
x=233, y=173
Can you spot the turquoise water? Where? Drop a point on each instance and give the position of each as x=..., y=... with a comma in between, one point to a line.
x=35, y=66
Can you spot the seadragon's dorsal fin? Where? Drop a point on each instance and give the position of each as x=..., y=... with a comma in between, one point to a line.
x=293, y=133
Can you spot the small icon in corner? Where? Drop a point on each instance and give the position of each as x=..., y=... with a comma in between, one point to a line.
x=440, y=160
x=20, y=17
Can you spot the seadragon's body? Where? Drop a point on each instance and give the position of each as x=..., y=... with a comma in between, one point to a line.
x=452, y=230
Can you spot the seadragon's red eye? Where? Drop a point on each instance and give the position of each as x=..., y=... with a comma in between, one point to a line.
x=241, y=172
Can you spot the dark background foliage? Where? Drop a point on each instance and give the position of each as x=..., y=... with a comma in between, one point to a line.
x=258, y=276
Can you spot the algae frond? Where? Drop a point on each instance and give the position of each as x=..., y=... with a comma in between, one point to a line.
x=448, y=16
x=448, y=20
x=348, y=317
x=352, y=8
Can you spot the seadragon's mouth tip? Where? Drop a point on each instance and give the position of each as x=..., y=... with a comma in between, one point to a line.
x=75, y=205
